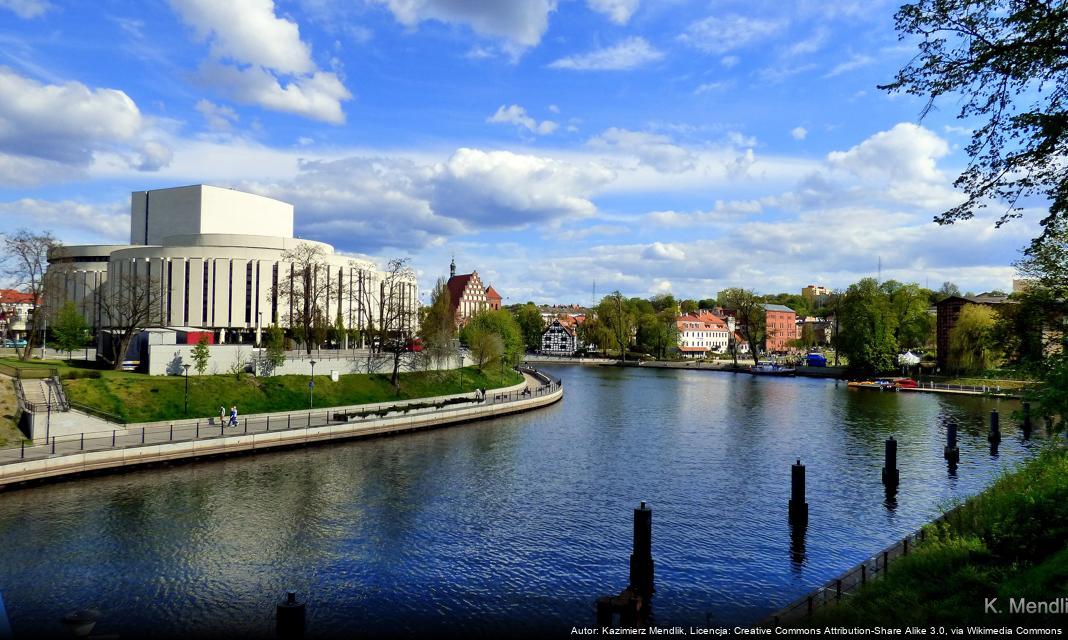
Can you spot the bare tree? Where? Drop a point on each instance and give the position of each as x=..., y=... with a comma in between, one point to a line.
x=437, y=328
x=26, y=258
x=128, y=301
x=749, y=316
x=303, y=289
x=396, y=316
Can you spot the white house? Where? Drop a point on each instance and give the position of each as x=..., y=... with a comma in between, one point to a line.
x=559, y=340
x=702, y=332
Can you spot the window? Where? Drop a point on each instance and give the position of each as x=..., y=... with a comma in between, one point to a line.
x=248, y=293
x=185, y=311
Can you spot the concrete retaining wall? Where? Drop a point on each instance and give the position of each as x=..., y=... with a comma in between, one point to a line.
x=70, y=464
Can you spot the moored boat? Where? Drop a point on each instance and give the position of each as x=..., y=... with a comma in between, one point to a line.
x=771, y=369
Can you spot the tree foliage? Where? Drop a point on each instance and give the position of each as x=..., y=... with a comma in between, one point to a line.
x=749, y=317
x=201, y=354
x=70, y=331
x=437, y=327
x=1008, y=61
x=618, y=321
x=866, y=328
x=531, y=325
x=501, y=324
x=971, y=342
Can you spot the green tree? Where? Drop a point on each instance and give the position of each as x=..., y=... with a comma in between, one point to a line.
x=619, y=321
x=749, y=318
x=866, y=325
x=70, y=331
x=1004, y=61
x=501, y=324
x=971, y=342
x=274, y=352
x=531, y=325
x=201, y=354
x=437, y=327
x=688, y=306
x=913, y=325
x=485, y=345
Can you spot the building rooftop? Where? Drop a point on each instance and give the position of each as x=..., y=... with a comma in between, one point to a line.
x=777, y=307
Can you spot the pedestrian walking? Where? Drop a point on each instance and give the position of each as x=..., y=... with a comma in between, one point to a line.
x=222, y=416
x=233, y=416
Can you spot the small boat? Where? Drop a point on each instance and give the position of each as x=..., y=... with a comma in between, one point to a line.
x=771, y=369
x=884, y=384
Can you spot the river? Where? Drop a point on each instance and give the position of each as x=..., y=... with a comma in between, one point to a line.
x=516, y=524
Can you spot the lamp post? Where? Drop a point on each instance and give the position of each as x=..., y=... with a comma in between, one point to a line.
x=311, y=387
x=461, y=371
x=48, y=420
x=186, y=367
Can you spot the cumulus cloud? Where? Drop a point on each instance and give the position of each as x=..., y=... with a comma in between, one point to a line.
x=799, y=133
x=259, y=58
x=655, y=150
x=627, y=54
x=517, y=115
x=720, y=34
x=618, y=11
x=660, y=251
x=369, y=203
x=521, y=22
x=68, y=124
x=317, y=96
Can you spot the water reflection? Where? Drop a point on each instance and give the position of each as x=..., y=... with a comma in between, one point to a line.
x=524, y=518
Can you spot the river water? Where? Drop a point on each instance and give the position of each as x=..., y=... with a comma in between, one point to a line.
x=516, y=524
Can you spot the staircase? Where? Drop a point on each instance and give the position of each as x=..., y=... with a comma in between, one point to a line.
x=38, y=394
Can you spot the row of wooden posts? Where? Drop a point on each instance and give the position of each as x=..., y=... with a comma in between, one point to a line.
x=631, y=607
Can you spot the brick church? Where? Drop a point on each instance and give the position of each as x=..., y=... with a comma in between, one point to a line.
x=468, y=296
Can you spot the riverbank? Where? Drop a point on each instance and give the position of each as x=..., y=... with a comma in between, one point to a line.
x=135, y=398
x=1008, y=542
x=138, y=445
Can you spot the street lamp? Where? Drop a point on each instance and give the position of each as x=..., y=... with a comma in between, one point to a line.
x=48, y=421
x=186, y=367
x=311, y=387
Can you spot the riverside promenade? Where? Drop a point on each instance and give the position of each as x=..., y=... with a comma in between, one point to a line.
x=157, y=442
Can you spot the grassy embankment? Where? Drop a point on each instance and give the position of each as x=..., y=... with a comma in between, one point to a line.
x=136, y=397
x=1011, y=541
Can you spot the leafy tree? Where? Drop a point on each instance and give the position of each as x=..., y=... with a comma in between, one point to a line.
x=913, y=325
x=706, y=303
x=501, y=324
x=1007, y=59
x=485, y=345
x=688, y=306
x=749, y=317
x=971, y=342
x=658, y=332
x=70, y=331
x=866, y=328
x=947, y=290
x=274, y=353
x=664, y=301
x=531, y=325
x=437, y=326
x=619, y=321
x=201, y=354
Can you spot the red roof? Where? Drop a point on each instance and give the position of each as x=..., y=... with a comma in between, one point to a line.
x=491, y=294
x=456, y=286
x=11, y=296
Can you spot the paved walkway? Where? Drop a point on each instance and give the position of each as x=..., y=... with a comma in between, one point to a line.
x=126, y=436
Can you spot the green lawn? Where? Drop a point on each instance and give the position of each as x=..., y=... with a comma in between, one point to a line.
x=141, y=398
x=1011, y=541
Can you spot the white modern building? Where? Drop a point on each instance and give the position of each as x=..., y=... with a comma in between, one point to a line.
x=218, y=257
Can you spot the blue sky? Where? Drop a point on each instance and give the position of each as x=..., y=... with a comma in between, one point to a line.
x=647, y=145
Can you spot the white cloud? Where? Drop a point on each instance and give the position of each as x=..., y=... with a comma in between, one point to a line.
x=272, y=67
x=26, y=9
x=618, y=11
x=110, y=222
x=711, y=87
x=317, y=96
x=856, y=62
x=799, y=133
x=521, y=22
x=905, y=153
x=729, y=61
x=660, y=251
x=43, y=125
x=627, y=54
x=218, y=117
x=655, y=150
x=517, y=115
x=247, y=31
x=718, y=35
x=811, y=44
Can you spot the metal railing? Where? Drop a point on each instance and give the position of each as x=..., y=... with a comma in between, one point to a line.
x=993, y=389
x=212, y=428
x=842, y=587
x=29, y=372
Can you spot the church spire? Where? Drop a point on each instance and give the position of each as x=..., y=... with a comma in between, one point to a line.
x=452, y=268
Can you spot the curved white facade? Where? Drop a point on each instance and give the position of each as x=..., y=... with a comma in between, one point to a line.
x=218, y=280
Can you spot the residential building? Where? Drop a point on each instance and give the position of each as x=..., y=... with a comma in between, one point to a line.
x=16, y=309
x=218, y=257
x=702, y=332
x=780, y=327
x=815, y=294
x=468, y=297
x=948, y=311
x=559, y=339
